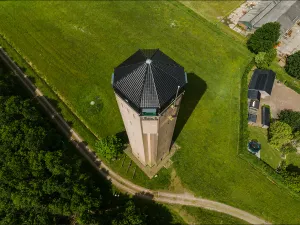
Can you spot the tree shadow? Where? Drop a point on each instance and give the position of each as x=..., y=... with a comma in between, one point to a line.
x=156, y=213
x=194, y=91
x=293, y=168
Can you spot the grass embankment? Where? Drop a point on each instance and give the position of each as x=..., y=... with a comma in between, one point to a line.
x=76, y=55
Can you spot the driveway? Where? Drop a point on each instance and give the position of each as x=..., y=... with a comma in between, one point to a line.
x=281, y=98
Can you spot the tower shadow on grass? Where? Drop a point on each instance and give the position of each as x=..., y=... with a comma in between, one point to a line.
x=194, y=91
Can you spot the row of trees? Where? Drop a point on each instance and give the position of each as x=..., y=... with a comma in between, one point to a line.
x=285, y=136
x=42, y=181
x=262, y=43
x=284, y=133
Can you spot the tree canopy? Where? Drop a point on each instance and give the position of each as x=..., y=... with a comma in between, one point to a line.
x=280, y=134
x=290, y=117
x=41, y=180
x=264, y=38
x=292, y=66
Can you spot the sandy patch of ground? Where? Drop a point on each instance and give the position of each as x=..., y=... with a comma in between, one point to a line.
x=282, y=97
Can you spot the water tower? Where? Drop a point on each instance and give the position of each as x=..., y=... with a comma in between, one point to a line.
x=149, y=87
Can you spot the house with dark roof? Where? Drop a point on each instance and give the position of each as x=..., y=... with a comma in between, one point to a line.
x=260, y=86
x=287, y=13
x=262, y=81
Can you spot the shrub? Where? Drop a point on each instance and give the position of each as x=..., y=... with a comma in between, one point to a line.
x=264, y=38
x=292, y=66
x=280, y=134
x=110, y=147
x=263, y=60
x=288, y=148
x=290, y=117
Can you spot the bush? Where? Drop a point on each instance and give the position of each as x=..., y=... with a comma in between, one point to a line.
x=290, y=117
x=263, y=60
x=292, y=66
x=110, y=147
x=264, y=38
x=288, y=148
x=280, y=134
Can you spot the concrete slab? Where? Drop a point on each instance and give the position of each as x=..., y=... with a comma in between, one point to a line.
x=151, y=171
x=290, y=42
x=282, y=97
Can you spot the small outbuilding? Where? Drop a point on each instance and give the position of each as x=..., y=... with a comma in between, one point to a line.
x=265, y=117
x=254, y=94
x=262, y=81
x=252, y=118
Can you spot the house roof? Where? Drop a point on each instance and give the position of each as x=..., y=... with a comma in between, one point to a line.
x=252, y=118
x=265, y=116
x=149, y=79
x=262, y=80
x=254, y=94
x=253, y=104
x=284, y=12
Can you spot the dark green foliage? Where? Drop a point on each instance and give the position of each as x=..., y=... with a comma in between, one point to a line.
x=109, y=147
x=41, y=181
x=292, y=66
x=264, y=38
x=290, y=117
x=129, y=215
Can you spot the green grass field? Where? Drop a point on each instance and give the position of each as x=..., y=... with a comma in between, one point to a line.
x=74, y=47
x=267, y=153
x=213, y=10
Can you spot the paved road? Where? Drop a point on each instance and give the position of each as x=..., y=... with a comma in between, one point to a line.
x=121, y=183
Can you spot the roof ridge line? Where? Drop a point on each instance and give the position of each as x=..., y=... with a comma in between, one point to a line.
x=166, y=72
x=154, y=85
x=143, y=86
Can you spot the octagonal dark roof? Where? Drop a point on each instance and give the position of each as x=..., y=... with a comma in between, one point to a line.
x=149, y=79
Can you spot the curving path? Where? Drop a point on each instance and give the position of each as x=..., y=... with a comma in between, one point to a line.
x=121, y=183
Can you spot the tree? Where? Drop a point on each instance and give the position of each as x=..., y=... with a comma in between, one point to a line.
x=288, y=148
x=280, y=134
x=292, y=66
x=109, y=147
x=264, y=59
x=130, y=216
x=264, y=38
x=290, y=117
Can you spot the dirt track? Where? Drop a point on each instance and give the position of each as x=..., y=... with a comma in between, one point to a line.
x=121, y=183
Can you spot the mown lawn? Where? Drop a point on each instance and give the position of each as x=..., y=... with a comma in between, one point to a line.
x=213, y=10
x=267, y=153
x=74, y=47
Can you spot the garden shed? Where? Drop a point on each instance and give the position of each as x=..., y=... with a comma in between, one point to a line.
x=265, y=117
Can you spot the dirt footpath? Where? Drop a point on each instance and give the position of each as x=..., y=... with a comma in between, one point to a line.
x=281, y=98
